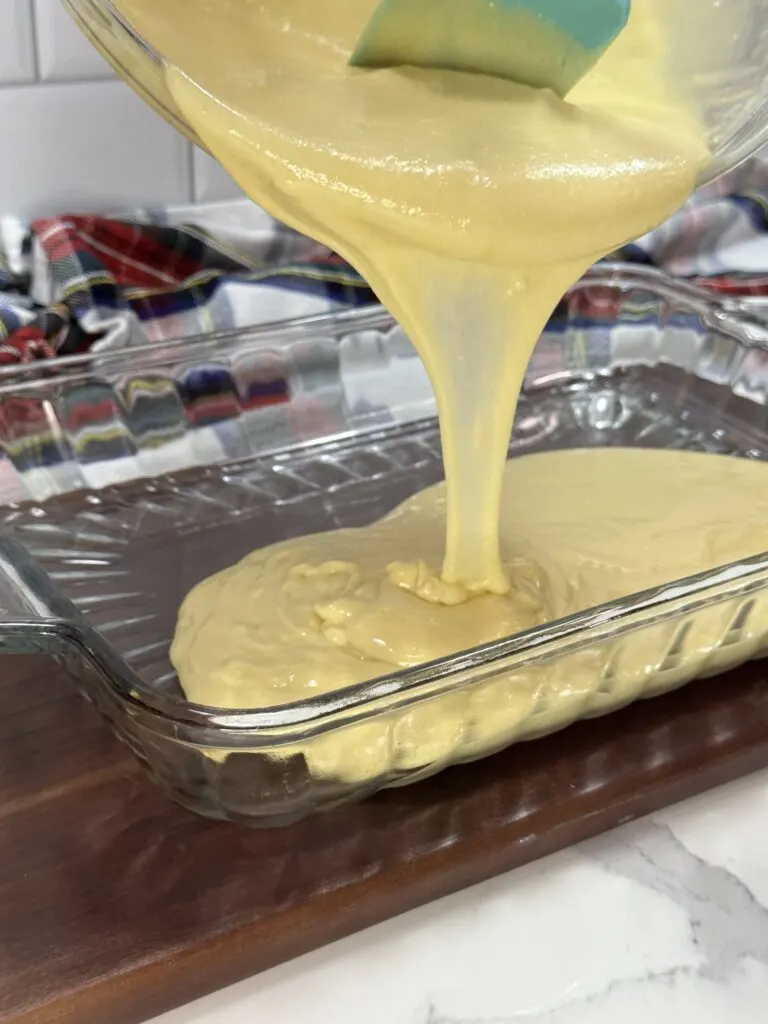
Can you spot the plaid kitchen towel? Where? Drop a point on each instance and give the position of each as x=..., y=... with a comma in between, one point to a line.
x=74, y=283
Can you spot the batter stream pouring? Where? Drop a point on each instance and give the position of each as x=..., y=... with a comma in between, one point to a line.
x=470, y=204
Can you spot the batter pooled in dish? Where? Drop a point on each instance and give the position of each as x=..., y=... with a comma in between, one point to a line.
x=578, y=528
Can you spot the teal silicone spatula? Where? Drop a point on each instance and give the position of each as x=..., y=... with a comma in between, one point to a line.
x=543, y=43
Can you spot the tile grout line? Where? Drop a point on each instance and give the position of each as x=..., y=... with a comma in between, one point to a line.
x=58, y=82
x=32, y=22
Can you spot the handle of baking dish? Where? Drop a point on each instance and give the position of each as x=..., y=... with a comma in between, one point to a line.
x=753, y=308
x=34, y=618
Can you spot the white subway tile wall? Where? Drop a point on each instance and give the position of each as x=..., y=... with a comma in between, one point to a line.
x=76, y=138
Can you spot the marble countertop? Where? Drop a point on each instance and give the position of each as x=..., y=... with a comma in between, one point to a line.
x=664, y=920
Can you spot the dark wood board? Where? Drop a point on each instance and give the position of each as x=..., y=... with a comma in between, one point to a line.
x=115, y=905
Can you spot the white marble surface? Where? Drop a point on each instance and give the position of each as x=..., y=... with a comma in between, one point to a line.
x=662, y=921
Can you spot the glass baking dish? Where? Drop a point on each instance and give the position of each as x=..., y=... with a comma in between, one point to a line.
x=230, y=442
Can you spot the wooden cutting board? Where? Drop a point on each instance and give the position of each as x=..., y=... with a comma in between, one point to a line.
x=116, y=905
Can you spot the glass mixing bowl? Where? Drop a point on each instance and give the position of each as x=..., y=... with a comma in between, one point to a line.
x=718, y=48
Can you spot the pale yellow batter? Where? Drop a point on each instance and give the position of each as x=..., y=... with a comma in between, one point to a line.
x=470, y=204
x=578, y=528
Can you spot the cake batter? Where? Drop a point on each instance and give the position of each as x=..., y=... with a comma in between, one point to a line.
x=470, y=204
x=578, y=528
